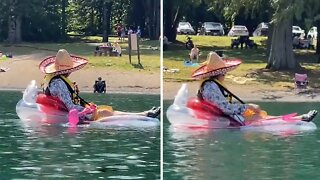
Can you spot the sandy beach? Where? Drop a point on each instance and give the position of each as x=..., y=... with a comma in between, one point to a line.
x=251, y=92
x=23, y=69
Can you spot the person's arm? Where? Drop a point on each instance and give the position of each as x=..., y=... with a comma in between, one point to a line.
x=59, y=89
x=212, y=93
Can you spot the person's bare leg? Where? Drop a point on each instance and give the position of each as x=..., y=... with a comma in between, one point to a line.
x=153, y=112
x=304, y=117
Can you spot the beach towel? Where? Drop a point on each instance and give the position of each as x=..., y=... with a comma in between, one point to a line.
x=189, y=63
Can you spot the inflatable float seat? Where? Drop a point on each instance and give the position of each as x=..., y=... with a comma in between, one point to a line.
x=204, y=109
x=208, y=111
x=50, y=103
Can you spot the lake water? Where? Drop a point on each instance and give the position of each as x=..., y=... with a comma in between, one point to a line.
x=239, y=155
x=48, y=152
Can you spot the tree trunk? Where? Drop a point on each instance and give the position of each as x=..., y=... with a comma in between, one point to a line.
x=18, y=29
x=14, y=32
x=108, y=17
x=175, y=24
x=281, y=55
x=14, y=22
x=318, y=43
x=156, y=21
x=270, y=33
x=104, y=33
x=172, y=17
x=63, y=19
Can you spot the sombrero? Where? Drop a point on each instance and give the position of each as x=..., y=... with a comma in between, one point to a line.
x=62, y=63
x=214, y=66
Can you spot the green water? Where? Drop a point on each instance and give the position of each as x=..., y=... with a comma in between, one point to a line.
x=239, y=155
x=49, y=152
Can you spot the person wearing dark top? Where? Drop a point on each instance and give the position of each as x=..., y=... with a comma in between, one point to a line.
x=99, y=86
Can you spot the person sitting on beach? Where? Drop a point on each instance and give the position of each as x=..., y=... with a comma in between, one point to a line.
x=57, y=69
x=194, y=54
x=97, y=51
x=214, y=91
x=99, y=86
x=117, y=47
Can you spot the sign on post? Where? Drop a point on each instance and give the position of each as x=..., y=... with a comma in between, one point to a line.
x=133, y=45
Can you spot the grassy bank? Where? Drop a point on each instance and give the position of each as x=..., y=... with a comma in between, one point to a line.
x=150, y=59
x=251, y=70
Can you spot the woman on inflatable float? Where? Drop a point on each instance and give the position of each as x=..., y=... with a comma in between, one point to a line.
x=58, y=89
x=214, y=94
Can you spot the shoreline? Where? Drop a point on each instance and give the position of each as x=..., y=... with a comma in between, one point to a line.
x=23, y=69
x=90, y=92
x=249, y=93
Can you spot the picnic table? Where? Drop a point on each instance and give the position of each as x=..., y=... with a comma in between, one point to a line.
x=106, y=49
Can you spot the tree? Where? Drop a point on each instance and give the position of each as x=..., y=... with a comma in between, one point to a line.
x=63, y=18
x=152, y=19
x=105, y=19
x=281, y=55
x=173, y=12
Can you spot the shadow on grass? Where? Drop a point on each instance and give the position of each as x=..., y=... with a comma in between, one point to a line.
x=178, y=52
x=138, y=66
x=284, y=78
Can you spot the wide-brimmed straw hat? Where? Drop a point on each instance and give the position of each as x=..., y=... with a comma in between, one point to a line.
x=62, y=63
x=214, y=65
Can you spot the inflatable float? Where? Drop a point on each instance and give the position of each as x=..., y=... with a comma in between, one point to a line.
x=193, y=113
x=36, y=108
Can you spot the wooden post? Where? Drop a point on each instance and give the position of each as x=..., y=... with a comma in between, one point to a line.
x=129, y=41
x=138, y=49
x=133, y=46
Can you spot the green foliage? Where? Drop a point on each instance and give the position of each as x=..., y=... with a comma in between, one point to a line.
x=150, y=58
x=43, y=20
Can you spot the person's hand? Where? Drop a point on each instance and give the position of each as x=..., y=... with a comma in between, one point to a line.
x=92, y=106
x=254, y=107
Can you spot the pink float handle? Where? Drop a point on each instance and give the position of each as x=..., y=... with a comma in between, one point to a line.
x=74, y=114
x=73, y=117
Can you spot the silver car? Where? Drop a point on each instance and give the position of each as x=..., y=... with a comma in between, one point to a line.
x=212, y=28
x=297, y=31
x=185, y=28
x=262, y=30
x=238, y=30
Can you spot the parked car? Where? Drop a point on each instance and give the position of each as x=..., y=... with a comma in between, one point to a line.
x=238, y=30
x=185, y=28
x=313, y=32
x=297, y=31
x=212, y=28
x=262, y=30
